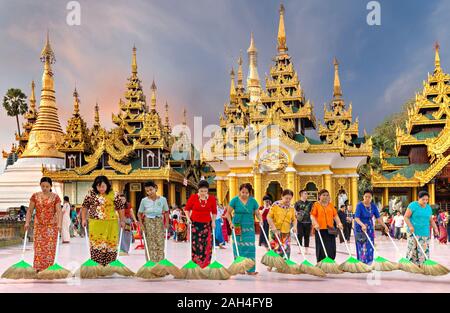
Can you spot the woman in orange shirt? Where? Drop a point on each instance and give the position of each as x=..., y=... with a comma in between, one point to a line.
x=323, y=214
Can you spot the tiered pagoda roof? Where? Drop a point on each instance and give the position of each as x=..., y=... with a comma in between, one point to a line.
x=30, y=117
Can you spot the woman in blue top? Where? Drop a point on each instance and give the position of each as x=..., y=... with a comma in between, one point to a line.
x=244, y=208
x=365, y=211
x=418, y=219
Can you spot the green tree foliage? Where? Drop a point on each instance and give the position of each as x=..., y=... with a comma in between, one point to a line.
x=15, y=104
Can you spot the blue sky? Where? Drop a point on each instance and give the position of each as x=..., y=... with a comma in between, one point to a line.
x=189, y=46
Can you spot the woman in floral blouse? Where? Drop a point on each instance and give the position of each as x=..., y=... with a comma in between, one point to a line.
x=101, y=206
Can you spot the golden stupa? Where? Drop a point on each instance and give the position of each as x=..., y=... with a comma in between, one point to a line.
x=46, y=134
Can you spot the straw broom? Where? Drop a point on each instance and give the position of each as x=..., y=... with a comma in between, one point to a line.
x=55, y=271
x=90, y=268
x=353, y=265
x=163, y=267
x=328, y=265
x=271, y=258
x=431, y=267
x=191, y=270
x=292, y=267
x=380, y=263
x=215, y=270
x=306, y=266
x=21, y=270
x=145, y=270
x=405, y=264
x=240, y=264
x=117, y=267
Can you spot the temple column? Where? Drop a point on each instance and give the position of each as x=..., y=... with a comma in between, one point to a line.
x=414, y=194
x=183, y=195
x=258, y=187
x=385, y=197
x=232, y=179
x=431, y=191
x=290, y=172
x=172, y=192
x=160, y=184
x=354, y=192
x=133, y=199
x=116, y=186
x=219, y=191
x=327, y=183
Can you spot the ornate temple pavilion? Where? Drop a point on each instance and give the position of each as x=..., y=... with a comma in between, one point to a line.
x=263, y=141
x=422, y=155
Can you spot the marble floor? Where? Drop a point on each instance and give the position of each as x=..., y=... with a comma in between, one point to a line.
x=73, y=254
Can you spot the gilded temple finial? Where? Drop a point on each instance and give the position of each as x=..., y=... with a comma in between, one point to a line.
x=76, y=102
x=282, y=48
x=437, y=58
x=337, y=91
x=253, y=77
x=184, y=117
x=153, y=100
x=232, y=86
x=32, y=96
x=96, y=115
x=240, y=75
x=134, y=62
x=167, y=115
x=47, y=52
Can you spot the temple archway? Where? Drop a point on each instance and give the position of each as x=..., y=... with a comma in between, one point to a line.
x=274, y=189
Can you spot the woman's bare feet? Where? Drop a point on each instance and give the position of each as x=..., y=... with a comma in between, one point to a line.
x=252, y=273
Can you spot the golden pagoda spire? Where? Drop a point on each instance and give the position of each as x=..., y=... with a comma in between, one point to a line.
x=167, y=115
x=32, y=97
x=240, y=75
x=232, y=86
x=76, y=102
x=282, y=48
x=96, y=116
x=153, y=100
x=437, y=58
x=134, y=63
x=337, y=91
x=184, y=117
x=253, y=77
x=46, y=134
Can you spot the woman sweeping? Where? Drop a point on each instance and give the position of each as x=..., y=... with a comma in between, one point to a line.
x=154, y=218
x=47, y=224
x=65, y=227
x=366, y=210
x=281, y=218
x=323, y=214
x=243, y=208
x=201, y=210
x=418, y=218
x=127, y=235
x=100, y=207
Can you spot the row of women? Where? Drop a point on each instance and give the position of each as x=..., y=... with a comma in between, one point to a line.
x=103, y=211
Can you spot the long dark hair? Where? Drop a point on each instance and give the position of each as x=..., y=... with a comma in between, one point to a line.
x=98, y=181
x=46, y=179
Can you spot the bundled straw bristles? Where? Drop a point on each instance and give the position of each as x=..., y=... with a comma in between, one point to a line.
x=117, y=267
x=329, y=266
x=89, y=270
x=272, y=259
x=383, y=265
x=352, y=265
x=408, y=266
x=216, y=271
x=192, y=271
x=20, y=270
x=240, y=265
x=54, y=272
x=433, y=268
x=164, y=268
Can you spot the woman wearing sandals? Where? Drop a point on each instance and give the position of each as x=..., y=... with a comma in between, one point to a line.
x=244, y=209
x=281, y=218
x=418, y=217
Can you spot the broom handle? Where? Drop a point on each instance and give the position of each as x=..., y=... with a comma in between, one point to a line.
x=265, y=236
x=418, y=243
x=24, y=244
x=120, y=241
x=235, y=242
x=165, y=242
x=145, y=244
x=346, y=245
x=190, y=239
x=87, y=240
x=321, y=241
x=214, y=248
x=392, y=240
x=56, y=250
x=371, y=243
x=281, y=245
x=298, y=243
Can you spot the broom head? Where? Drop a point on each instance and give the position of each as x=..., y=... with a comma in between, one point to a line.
x=308, y=268
x=191, y=270
x=353, y=265
x=145, y=271
x=88, y=270
x=240, y=265
x=329, y=266
x=216, y=271
x=55, y=271
x=117, y=267
x=20, y=270
x=164, y=268
x=408, y=266
x=292, y=268
x=273, y=259
x=433, y=268
x=383, y=265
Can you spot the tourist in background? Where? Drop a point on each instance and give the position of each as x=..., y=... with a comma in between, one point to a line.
x=220, y=242
x=201, y=210
x=398, y=222
x=65, y=227
x=303, y=214
x=366, y=210
x=73, y=222
x=47, y=224
x=442, y=224
x=130, y=219
x=323, y=216
x=154, y=219
x=281, y=219
x=342, y=216
x=418, y=219
x=264, y=211
x=99, y=209
x=348, y=222
x=242, y=213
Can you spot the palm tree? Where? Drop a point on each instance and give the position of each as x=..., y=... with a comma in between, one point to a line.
x=15, y=104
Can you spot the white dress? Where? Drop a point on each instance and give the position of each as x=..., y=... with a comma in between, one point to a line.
x=65, y=227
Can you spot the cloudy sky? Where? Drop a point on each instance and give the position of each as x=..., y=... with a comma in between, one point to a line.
x=189, y=46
